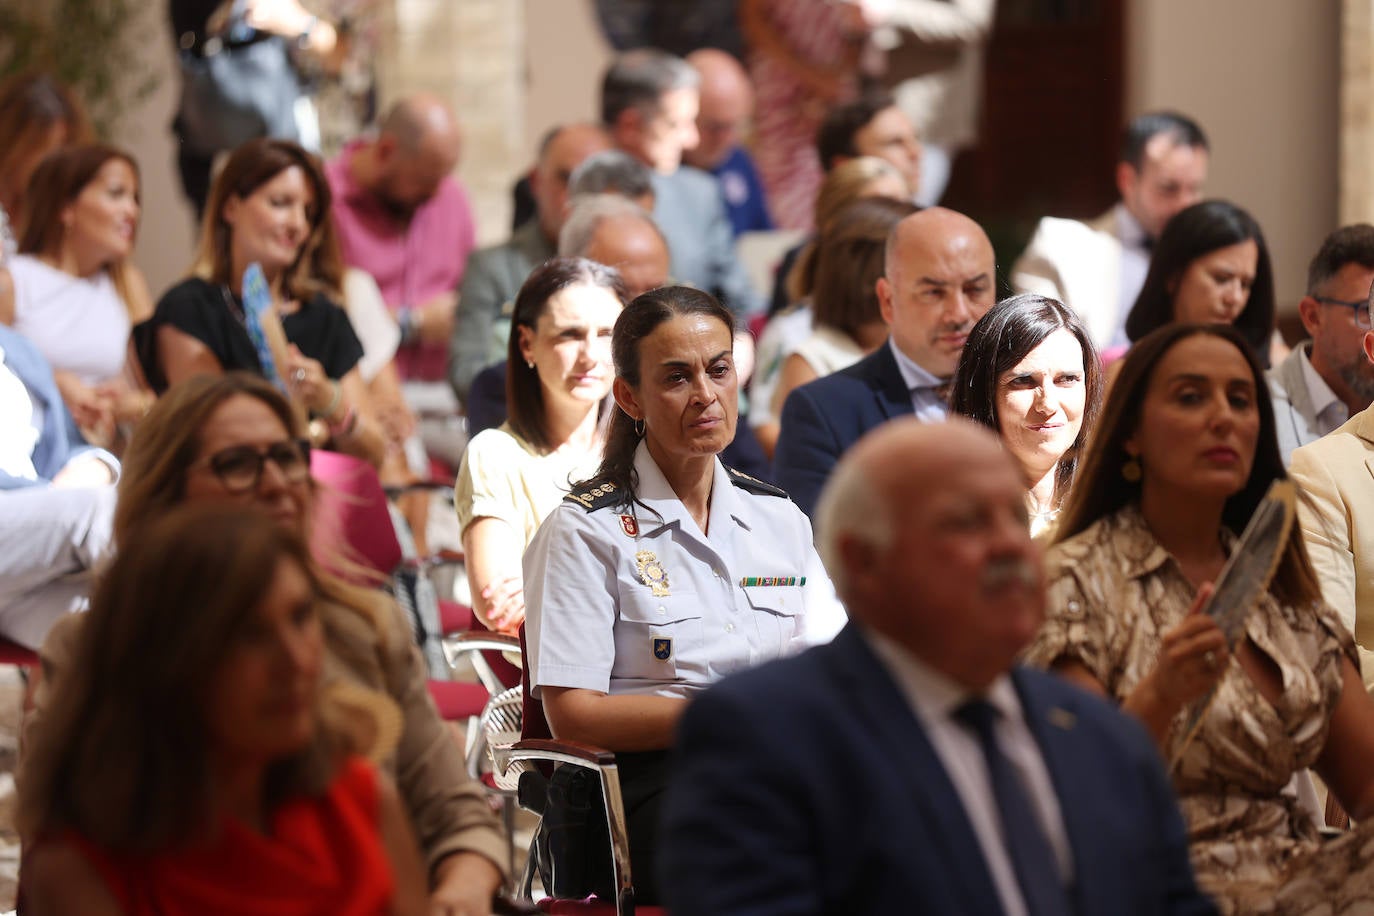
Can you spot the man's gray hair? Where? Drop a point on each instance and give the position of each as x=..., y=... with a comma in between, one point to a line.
x=850, y=507
x=588, y=213
x=611, y=172
x=640, y=78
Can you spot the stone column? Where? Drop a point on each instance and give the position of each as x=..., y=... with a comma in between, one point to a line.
x=1357, y=112
x=471, y=52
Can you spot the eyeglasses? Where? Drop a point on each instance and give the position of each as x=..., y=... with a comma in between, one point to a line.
x=1359, y=306
x=240, y=468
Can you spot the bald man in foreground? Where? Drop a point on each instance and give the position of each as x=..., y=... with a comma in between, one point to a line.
x=939, y=279
x=911, y=766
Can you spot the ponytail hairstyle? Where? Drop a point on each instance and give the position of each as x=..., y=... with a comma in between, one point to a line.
x=640, y=319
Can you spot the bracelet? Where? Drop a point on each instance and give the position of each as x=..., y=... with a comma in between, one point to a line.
x=334, y=399
x=346, y=426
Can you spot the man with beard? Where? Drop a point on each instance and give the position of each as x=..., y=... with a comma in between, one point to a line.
x=404, y=219
x=939, y=278
x=1332, y=472
x=1328, y=379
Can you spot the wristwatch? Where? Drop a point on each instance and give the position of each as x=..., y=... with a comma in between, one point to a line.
x=303, y=39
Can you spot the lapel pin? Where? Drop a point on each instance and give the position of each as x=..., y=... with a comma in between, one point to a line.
x=1062, y=718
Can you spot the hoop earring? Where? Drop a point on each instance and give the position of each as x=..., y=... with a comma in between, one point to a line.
x=639, y=427
x=1131, y=470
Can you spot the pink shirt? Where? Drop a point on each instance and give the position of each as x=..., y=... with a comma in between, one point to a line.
x=412, y=262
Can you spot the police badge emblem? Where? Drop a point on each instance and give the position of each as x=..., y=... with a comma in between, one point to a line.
x=651, y=573
x=663, y=649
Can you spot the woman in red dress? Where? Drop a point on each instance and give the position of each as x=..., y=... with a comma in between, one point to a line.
x=198, y=766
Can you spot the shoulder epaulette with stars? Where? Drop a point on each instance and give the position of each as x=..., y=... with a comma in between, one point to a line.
x=593, y=495
x=754, y=485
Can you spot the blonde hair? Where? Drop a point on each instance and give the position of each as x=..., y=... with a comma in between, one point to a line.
x=843, y=184
x=166, y=443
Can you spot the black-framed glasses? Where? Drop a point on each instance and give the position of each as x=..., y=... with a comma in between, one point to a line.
x=239, y=467
x=1359, y=306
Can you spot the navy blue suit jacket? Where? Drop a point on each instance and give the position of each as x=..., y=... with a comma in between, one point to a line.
x=821, y=419
x=58, y=440
x=807, y=786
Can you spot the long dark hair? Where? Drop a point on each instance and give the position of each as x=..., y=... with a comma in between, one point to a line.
x=248, y=168
x=1101, y=490
x=126, y=757
x=849, y=260
x=524, y=394
x=1192, y=233
x=31, y=105
x=640, y=318
x=1003, y=337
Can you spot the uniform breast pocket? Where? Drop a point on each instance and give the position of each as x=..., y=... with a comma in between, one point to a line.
x=778, y=615
x=656, y=638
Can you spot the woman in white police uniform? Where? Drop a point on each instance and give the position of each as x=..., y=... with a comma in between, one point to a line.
x=667, y=571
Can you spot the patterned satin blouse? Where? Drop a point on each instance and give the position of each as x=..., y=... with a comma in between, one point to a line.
x=1113, y=593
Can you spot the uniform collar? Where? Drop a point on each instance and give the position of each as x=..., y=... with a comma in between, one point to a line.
x=654, y=491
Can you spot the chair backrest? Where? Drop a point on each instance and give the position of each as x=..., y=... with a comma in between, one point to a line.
x=351, y=515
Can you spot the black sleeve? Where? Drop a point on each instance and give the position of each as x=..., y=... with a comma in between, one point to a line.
x=190, y=16
x=196, y=308
x=323, y=332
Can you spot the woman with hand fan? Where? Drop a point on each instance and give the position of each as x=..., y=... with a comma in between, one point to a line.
x=1182, y=458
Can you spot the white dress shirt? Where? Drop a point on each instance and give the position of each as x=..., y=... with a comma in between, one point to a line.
x=21, y=418
x=1135, y=264
x=934, y=699
x=1329, y=410
x=927, y=404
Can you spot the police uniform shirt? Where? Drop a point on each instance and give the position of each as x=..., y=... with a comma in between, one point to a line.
x=621, y=600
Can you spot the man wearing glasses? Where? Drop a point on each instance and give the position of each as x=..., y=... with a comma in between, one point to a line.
x=1328, y=379
x=1314, y=390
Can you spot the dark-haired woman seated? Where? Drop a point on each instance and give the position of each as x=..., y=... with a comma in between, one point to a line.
x=667, y=570
x=1183, y=453
x=1210, y=266
x=558, y=377
x=197, y=765
x=1030, y=373
x=268, y=206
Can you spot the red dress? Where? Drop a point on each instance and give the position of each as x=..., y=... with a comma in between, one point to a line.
x=324, y=856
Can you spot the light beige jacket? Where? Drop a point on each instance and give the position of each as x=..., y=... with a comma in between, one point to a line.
x=934, y=64
x=1335, y=479
x=1078, y=263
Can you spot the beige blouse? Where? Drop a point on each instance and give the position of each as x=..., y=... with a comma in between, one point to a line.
x=1113, y=593
x=503, y=476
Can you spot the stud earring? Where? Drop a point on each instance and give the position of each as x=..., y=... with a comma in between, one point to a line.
x=1130, y=470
